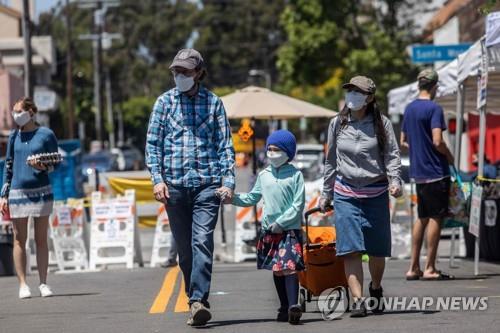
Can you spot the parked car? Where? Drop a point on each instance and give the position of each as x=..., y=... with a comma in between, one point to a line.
x=102, y=161
x=128, y=158
x=310, y=160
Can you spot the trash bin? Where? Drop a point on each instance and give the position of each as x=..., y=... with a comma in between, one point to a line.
x=489, y=229
x=6, y=245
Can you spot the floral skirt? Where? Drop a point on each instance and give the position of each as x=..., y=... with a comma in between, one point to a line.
x=280, y=252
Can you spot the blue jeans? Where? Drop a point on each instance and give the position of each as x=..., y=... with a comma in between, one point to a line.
x=193, y=214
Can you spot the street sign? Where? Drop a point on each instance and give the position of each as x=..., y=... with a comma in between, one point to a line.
x=432, y=53
x=45, y=99
x=245, y=132
x=493, y=29
x=475, y=210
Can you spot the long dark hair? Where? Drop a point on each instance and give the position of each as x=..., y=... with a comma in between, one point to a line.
x=378, y=122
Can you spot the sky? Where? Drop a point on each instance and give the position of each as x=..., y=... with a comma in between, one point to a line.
x=44, y=5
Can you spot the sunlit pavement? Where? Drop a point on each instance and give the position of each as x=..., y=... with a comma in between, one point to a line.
x=243, y=300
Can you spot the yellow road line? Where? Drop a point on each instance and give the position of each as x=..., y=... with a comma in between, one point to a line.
x=182, y=300
x=167, y=288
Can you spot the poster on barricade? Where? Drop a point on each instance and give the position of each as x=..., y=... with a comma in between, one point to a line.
x=66, y=232
x=112, y=230
x=162, y=238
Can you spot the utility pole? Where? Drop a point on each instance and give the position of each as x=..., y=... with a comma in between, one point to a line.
x=69, y=75
x=109, y=108
x=28, y=84
x=97, y=48
x=100, y=7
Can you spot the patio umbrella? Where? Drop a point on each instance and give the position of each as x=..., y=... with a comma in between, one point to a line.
x=261, y=103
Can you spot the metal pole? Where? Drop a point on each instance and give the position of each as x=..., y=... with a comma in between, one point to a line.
x=69, y=75
x=254, y=173
x=460, y=124
x=97, y=48
x=458, y=151
x=28, y=84
x=109, y=108
x=120, y=126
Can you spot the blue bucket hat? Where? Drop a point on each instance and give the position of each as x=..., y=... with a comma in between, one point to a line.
x=285, y=141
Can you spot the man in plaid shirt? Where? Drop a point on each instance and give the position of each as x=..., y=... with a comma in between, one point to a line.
x=190, y=154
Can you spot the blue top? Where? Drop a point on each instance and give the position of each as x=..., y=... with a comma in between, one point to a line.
x=420, y=118
x=189, y=140
x=283, y=192
x=41, y=140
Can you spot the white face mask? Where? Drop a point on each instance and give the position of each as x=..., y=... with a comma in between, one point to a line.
x=184, y=83
x=21, y=118
x=277, y=158
x=355, y=100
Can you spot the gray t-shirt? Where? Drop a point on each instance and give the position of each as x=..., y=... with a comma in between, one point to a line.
x=354, y=156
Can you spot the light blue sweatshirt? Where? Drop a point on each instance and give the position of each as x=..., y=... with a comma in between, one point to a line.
x=283, y=192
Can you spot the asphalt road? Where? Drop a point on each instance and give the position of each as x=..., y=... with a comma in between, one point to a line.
x=243, y=300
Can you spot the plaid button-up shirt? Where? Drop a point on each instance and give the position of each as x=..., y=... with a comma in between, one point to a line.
x=189, y=141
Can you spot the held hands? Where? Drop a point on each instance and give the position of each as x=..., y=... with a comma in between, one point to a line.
x=160, y=192
x=225, y=194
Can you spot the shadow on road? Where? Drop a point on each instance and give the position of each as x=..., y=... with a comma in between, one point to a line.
x=214, y=324
x=76, y=294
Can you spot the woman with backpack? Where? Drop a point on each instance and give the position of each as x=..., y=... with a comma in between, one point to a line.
x=362, y=168
x=26, y=191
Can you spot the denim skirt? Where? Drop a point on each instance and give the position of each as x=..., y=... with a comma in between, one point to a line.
x=363, y=225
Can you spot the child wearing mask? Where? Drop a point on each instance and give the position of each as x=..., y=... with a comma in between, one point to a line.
x=279, y=247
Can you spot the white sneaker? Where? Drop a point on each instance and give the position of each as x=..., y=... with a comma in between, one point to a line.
x=24, y=291
x=45, y=290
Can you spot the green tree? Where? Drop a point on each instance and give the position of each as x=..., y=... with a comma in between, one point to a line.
x=235, y=36
x=331, y=41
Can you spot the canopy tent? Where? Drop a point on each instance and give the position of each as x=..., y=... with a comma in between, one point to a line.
x=261, y=103
x=458, y=94
x=462, y=71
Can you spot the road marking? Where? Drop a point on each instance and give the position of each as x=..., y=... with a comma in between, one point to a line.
x=167, y=288
x=182, y=300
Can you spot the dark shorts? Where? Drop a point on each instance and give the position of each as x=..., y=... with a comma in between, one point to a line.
x=433, y=199
x=363, y=225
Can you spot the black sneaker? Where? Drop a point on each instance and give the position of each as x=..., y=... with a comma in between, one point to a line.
x=294, y=314
x=377, y=294
x=199, y=315
x=358, y=309
x=282, y=315
x=169, y=263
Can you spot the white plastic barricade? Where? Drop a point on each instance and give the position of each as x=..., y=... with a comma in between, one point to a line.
x=66, y=230
x=112, y=230
x=244, y=233
x=31, y=262
x=162, y=238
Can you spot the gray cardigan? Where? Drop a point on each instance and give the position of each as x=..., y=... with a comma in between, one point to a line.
x=353, y=155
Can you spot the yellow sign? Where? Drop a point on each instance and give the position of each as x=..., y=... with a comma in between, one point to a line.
x=245, y=132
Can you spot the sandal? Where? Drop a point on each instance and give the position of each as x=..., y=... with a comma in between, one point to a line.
x=415, y=277
x=440, y=277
